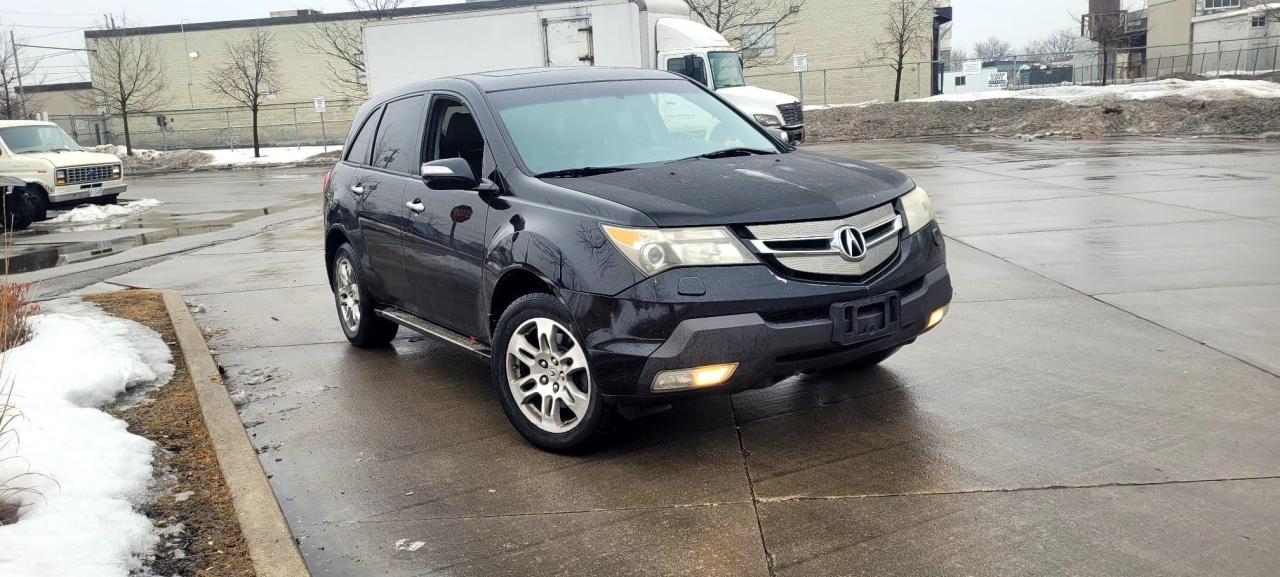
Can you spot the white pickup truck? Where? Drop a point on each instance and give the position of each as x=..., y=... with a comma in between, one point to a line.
x=55, y=168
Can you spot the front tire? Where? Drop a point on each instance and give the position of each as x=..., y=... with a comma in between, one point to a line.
x=39, y=201
x=356, y=313
x=544, y=378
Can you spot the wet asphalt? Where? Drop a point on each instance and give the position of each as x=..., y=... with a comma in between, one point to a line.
x=1102, y=400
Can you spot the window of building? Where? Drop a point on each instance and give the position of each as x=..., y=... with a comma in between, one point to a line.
x=759, y=40
x=1259, y=21
x=1215, y=4
x=396, y=146
x=961, y=80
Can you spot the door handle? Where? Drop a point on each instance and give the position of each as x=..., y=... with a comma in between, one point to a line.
x=416, y=206
x=356, y=188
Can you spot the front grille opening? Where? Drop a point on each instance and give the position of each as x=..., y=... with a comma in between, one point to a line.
x=796, y=245
x=796, y=315
x=878, y=231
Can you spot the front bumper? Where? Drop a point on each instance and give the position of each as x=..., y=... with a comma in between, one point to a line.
x=772, y=326
x=794, y=133
x=73, y=192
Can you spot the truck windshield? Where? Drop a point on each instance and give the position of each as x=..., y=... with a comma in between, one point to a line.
x=726, y=70
x=36, y=138
x=608, y=125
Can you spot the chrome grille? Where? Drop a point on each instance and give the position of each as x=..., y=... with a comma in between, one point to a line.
x=833, y=264
x=83, y=174
x=792, y=114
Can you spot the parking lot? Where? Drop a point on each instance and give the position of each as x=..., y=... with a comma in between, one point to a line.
x=1102, y=399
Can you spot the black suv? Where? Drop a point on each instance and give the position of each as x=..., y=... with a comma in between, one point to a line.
x=619, y=237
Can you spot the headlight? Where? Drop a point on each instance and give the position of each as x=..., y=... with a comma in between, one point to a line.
x=60, y=177
x=918, y=209
x=769, y=120
x=654, y=250
x=115, y=172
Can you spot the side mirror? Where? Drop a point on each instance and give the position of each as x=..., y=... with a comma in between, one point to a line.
x=449, y=174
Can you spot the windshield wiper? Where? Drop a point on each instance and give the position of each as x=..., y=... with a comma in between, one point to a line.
x=580, y=172
x=728, y=152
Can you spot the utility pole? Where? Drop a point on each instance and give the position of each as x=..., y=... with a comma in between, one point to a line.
x=17, y=69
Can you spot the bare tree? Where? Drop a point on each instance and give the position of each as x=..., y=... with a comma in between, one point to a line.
x=248, y=74
x=128, y=75
x=342, y=42
x=992, y=49
x=14, y=73
x=908, y=30
x=1058, y=46
x=958, y=55
x=751, y=25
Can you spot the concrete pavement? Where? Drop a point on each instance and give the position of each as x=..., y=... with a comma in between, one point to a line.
x=1102, y=400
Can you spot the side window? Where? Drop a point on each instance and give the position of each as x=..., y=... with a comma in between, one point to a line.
x=396, y=147
x=359, y=150
x=691, y=66
x=453, y=133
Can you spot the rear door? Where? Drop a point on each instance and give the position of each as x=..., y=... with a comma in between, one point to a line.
x=444, y=247
x=377, y=240
x=569, y=42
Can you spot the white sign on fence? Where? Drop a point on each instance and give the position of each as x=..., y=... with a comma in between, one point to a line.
x=800, y=62
x=999, y=80
x=972, y=67
x=319, y=103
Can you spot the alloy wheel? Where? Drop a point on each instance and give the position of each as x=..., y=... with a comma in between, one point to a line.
x=347, y=292
x=548, y=375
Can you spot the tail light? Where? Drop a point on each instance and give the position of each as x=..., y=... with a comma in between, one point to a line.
x=325, y=186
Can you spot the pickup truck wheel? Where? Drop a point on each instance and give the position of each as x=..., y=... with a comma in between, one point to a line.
x=543, y=375
x=360, y=322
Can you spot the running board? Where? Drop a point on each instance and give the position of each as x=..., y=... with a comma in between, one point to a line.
x=431, y=329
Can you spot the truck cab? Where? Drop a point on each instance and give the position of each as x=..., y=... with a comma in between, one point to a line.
x=689, y=48
x=55, y=168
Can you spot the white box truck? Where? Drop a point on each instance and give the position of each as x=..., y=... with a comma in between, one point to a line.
x=502, y=34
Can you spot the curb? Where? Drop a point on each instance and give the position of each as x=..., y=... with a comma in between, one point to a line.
x=271, y=546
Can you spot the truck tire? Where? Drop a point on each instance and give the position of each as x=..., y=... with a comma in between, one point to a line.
x=356, y=311
x=39, y=201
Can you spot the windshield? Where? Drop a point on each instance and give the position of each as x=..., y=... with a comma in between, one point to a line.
x=726, y=70
x=36, y=138
x=620, y=124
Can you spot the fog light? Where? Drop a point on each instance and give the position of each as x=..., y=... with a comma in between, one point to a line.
x=936, y=317
x=708, y=376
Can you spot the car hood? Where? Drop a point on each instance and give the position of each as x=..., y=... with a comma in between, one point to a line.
x=748, y=189
x=755, y=96
x=73, y=158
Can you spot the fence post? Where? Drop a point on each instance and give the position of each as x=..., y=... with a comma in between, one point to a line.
x=164, y=144
x=297, y=139
x=824, y=88
x=231, y=140
x=917, y=80
x=1218, y=61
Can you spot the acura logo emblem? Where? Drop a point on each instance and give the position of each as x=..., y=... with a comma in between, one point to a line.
x=850, y=242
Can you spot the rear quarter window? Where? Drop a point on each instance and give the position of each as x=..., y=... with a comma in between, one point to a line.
x=358, y=152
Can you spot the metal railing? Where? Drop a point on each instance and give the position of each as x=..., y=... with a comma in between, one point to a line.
x=875, y=82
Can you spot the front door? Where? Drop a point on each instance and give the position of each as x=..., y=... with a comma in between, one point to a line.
x=445, y=243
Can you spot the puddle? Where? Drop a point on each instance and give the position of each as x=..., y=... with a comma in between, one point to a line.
x=47, y=245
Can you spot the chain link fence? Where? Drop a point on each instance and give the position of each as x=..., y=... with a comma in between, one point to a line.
x=875, y=82
x=283, y=124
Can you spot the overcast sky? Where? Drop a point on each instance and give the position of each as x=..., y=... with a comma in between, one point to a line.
x=60, y=23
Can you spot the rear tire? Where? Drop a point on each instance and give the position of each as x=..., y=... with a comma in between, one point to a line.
x=356, y=312
x=537, y=345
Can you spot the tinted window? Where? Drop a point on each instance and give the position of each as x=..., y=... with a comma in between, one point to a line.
x=396, y=147
x=690, y=66
x=359, y=149
x=454, y=134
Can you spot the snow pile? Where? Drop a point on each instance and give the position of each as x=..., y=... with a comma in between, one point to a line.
x=83, y=521
x=284, y=155
x=96, y=213
x=1207, y=90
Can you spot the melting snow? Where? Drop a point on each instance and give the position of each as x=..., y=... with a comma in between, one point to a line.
x=405, y=545
x=283, y=155
x=1216, y=89
x=95, y=213
x=92, y=471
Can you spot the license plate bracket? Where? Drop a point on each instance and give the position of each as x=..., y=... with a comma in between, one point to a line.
x=867, y=319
